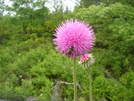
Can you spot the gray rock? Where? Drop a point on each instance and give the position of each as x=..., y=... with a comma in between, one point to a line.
x=4, y=100
x=31, y=98
x=57, y=94
x=102, y=99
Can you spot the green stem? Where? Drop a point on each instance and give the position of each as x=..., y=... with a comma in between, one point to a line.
x=90, y=83
x=74, y=80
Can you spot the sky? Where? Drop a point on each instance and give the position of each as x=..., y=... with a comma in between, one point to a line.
x=68, y=3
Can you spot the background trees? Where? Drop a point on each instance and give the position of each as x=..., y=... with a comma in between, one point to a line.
x=87, y=3
x=28, y=12
x=2, y=8
x=114, y=30
x=29, y=63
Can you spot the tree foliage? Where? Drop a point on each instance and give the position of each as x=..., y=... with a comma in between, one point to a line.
x=28, y=12
x=87, y=3
x=114, y=31
x=30, y=65
x=2, y=8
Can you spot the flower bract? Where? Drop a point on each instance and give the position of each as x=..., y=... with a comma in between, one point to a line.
x=87, y=58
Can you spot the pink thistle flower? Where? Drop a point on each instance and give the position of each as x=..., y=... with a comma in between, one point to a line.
x=84, y=57
x=74, y=38
x=87, y=58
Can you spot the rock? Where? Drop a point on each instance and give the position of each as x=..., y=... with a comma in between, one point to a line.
x=102, y=99
x=31, y=98
x=57, y=92
x=4, y=100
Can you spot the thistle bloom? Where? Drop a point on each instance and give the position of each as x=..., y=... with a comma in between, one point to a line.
x=84, y=57
x=74, y=38
x=87, y=58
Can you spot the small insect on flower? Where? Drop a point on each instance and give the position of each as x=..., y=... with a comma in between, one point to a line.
x=70, y=50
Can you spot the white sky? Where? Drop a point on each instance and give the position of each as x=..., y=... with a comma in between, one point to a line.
x=68, y=3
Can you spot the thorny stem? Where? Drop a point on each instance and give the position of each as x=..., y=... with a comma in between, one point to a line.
x=74, y=80
x=90, y=83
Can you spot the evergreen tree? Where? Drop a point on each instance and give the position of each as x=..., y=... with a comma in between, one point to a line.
x=2, y=8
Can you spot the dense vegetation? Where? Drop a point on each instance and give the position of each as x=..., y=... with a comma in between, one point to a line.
x=30, y=65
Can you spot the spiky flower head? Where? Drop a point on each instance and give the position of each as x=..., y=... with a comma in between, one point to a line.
x=87, y=58
x=74, y=38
